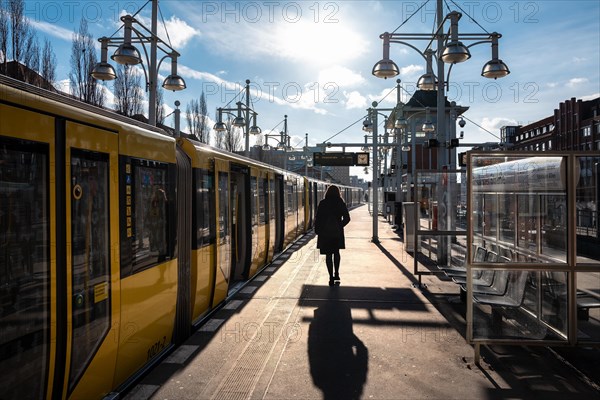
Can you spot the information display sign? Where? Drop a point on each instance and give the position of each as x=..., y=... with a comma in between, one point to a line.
x=339, y=159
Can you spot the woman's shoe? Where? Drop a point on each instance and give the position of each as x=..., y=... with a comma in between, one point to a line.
x=336, y=278
x=331, y=282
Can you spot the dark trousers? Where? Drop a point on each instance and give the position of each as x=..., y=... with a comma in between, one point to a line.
x=332, y=260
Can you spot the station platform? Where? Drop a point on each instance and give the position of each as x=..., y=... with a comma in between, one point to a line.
x=379, y=335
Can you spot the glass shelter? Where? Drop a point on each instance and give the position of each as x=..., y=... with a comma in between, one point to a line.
x=533, y=264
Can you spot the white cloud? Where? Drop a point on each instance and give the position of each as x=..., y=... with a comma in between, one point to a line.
x=304, y=41
x=52, y=29
x=590, y=97
x=494, y=124
x=386, y=98
x=296, y=100
x=341, y=77
x=411, y=71
x=355, y=100
x=177, y=33
x=576, y=82
x=180, y=32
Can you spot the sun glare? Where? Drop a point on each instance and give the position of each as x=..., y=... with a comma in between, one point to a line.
x=319, y=43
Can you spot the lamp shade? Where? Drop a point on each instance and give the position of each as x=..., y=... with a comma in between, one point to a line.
x=239, y=122
x=220, y=127
x=455, y=52
x=495, y=69
x=127, y=54
x=427, y=82
x=174, y=83
x=385, y=68
x=104, y=72
x=400, y=123
x=428, y=127
x=255, y=130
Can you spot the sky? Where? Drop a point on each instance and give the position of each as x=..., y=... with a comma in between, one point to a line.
x=312, y=60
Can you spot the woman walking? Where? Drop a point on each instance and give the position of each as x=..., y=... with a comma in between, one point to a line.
x=332, y=216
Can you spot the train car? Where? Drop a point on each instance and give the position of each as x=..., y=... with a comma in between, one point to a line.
x=117, y=240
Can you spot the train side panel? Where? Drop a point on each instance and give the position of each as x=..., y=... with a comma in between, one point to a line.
x=202, y=272
x=147, y=243
x=92, y=270
x=28, y=293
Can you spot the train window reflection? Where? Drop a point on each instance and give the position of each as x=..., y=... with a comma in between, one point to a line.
x=204, y=230
x=24, y=269
x=90, y=260
x=147, y=225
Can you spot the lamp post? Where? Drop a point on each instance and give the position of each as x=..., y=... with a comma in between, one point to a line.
x=128, y=54
x=306, y=155
x=283, y=142
x=241, y=121
x=370, y=125
x=450, y=50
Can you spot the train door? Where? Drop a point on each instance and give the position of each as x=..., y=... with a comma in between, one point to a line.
x=259, y=217
x=315, y=203
x=279, y=212
x=28, y=226
x=241, y=222
x=270, y=210
x=309, y=190
x=223, y=231
x=92, y=300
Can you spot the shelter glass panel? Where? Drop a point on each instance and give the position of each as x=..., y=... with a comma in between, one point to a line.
x=517, y=304
x=587, y=219
x=588, y=306
x=519, y=204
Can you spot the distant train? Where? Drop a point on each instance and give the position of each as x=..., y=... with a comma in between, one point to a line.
x=116, y=240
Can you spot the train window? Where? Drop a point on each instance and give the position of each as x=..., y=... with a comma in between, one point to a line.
x=224, y=244
x=90, y=257
x=203, y=208
x=24, y=268
x=254, y=212
x=272, y=205
x=262, y=202
x=147, y=219
x=289, y=199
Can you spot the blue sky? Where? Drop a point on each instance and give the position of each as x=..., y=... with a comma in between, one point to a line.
x=312, y=60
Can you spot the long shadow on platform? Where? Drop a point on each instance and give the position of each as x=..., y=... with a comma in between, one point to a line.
x=338, y=358
x=529, y=371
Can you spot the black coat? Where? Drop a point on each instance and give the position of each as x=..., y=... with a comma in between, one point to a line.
x=332, y=216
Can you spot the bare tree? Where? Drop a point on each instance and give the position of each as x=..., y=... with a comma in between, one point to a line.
x=230, y=139
x=128, y=91
x=31, y=59
x=160, y=108
x=4, y=32
x=83, y=59
x=197, y=119
x=48, y=66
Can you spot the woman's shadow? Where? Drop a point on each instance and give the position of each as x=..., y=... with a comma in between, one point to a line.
x=338, y=359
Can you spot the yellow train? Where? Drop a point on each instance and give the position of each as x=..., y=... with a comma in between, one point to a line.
x=116, y=240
